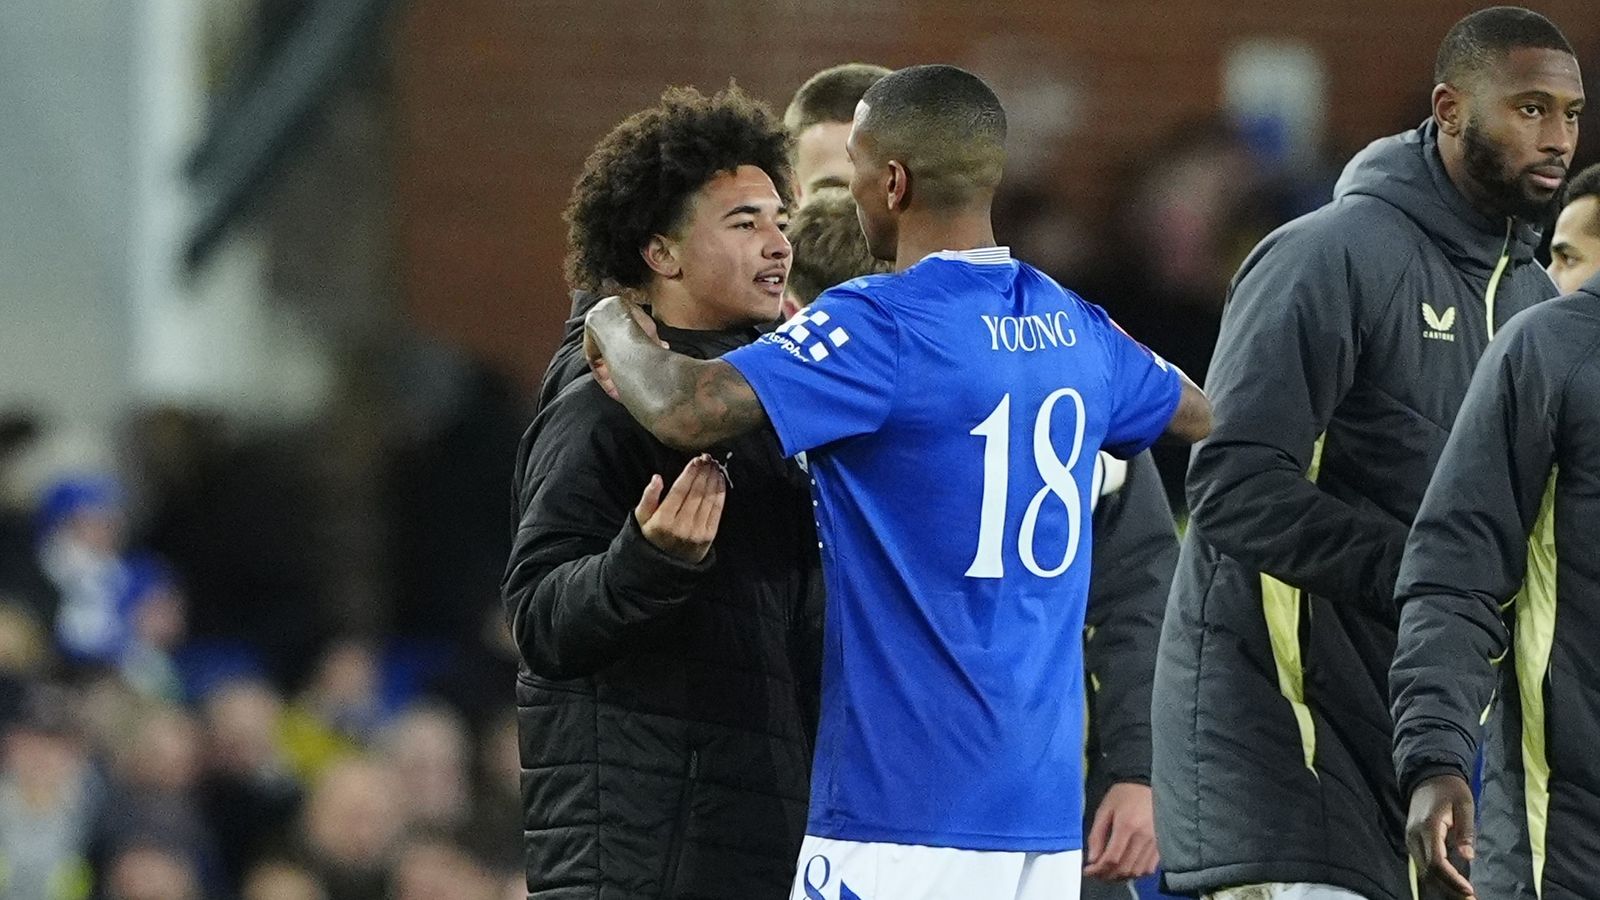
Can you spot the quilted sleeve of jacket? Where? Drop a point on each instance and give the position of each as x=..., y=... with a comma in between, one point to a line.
x=1135, y=552
x=1286, y=357
x=583, y=584
x=1468, y=550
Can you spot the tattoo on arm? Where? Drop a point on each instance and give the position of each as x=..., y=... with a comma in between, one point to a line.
x=708, y=402
x=686, y=403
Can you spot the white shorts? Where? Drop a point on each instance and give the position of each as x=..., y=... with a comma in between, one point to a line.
x=1276, y=891
x=848, y=870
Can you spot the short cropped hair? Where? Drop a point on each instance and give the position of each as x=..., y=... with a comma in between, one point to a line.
x=640, y=178
x=831, y=95
x=1584, y=184
x=944, y=124
x=829, y=247
x=1484, y=38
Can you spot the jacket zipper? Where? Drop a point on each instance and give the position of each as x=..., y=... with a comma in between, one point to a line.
x=1494, y=280
x=675, y=847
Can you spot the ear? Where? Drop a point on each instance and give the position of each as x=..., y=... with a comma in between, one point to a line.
x=661, y=255
x=1449, y=109
x=898, y=186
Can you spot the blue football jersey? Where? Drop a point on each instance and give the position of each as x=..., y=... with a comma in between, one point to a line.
x=950, y=416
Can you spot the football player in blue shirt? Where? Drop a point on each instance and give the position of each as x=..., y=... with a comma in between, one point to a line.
x=950, y=414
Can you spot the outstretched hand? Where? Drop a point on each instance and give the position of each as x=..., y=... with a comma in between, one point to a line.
x=684, y=523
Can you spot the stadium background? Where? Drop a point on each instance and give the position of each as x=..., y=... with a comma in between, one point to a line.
x=290, y=270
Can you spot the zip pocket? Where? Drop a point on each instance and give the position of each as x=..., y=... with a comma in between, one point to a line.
x=669, y=878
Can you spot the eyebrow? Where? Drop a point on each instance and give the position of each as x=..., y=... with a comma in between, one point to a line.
x=748, y=210
x=1562, y=247
x=831, y=181
x=1546, y=96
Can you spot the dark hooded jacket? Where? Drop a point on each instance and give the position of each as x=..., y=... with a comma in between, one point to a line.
x=665, y=710
x=1348, y=341
x=1500, y=616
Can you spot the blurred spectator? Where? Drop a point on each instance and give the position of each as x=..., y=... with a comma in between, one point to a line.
x=500, y=773
x=277, y=879
x=1196, y=208
x=350, y=826
x=155, y=798
x=432, y=866
x=81, y=539
x=152, y=617
x=47, y=803
x=242, y=519
x=146, y=870
x=426, y=749
x=111, y=712
x=248, y=795
x=339, y=710
x=496, y=827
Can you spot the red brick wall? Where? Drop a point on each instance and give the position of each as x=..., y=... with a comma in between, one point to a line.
x=500, y=100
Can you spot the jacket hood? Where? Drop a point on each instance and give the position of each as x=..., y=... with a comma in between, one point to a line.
x=1406, y=172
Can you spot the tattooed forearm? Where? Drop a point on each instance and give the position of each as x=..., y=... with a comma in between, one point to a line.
x=708, y=403
x=686, y=403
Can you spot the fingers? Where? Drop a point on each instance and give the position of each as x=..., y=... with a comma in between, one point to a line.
x=1117, y=850
x=1129, y=853
x=697, y=492
x=691, y=512
x=711, y=508
x=1439, y=867
x=650, y=502
x=1464, y=817
x=602, y=374
x=1098, y=832
x=1417, y=844
x=643, y=320
x=683, y=488
x=1149, y=861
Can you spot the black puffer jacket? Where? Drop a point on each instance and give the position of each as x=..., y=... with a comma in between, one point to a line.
x=665, y=710
x=1348, y=341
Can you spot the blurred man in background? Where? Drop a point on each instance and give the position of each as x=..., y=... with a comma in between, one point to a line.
x=819, y=117
x=1575, y=245
x=1348, y=341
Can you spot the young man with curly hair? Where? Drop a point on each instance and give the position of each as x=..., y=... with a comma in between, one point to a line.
x=664, y=706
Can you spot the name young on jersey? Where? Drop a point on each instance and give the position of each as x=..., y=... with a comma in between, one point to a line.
x=1026, y=334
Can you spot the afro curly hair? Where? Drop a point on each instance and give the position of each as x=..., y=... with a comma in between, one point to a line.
x=638, y=181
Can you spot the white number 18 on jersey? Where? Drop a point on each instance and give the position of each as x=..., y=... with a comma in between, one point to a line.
x=1058, y=482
